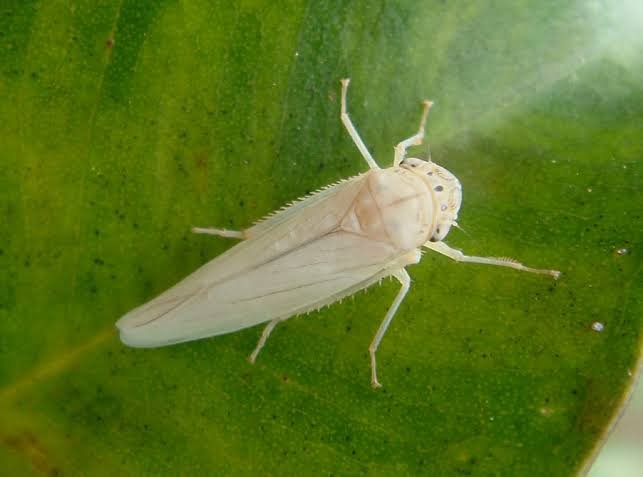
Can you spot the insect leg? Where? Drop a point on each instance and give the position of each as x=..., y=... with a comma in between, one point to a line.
x=416, y=139
x=262, y=341
x=405, y=280
x=352, y=131
x=458, y=256
x=220, y=232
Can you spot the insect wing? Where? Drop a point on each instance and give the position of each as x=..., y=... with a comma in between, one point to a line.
x=195, y=299
x=306, y=278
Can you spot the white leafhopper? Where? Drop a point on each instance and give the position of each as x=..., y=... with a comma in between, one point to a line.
x=319, y=249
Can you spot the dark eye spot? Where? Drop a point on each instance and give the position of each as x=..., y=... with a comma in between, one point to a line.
x=429, y=173
x=438, y=188
x=413, y=165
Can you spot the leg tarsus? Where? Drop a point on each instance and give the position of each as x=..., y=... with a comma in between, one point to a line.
x=220, y=232
x=458, y=256
x=352, y=131
x=262, y=341
x=416, y=139
x=405, y=280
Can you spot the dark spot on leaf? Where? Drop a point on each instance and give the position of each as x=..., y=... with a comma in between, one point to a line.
x=28, y=446
x=201, y=160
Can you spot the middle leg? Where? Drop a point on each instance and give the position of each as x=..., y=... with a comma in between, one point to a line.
x=352, y=131
x=405, y=280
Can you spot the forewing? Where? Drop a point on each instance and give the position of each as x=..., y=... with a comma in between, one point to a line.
x=305, y=278
x=303, y=222
x=335, y=196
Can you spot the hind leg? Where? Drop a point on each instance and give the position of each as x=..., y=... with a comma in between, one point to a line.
x=220, y=232
x=262, y=341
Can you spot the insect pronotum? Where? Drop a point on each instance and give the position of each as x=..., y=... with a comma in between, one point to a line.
x=319, y=249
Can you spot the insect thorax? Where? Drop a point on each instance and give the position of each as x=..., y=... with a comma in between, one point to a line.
x=394, y=206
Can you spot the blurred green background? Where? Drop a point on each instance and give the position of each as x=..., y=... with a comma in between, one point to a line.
x=125, y=123
x=622, y=455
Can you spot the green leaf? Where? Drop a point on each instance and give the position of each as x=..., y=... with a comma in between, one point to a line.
x=124, y=123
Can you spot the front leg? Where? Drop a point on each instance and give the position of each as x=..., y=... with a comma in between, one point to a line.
x=416, y=139
x=458, y=256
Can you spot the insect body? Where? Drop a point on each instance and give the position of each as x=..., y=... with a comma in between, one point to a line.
x=316, y=251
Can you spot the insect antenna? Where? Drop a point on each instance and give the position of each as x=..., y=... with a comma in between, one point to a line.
x=428, y=142
x=428, y=151
x=457, y=226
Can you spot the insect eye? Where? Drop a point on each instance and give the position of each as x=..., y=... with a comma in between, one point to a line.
x=438, y=188
x=440, y=232
x=429, y=173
